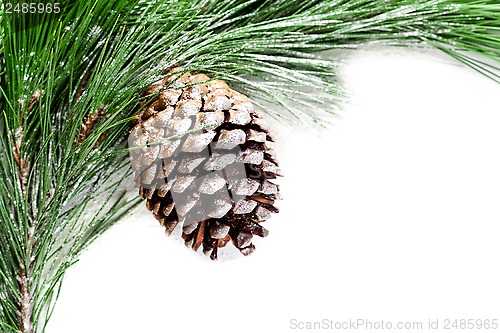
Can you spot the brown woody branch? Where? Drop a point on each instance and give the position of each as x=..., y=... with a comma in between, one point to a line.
x=26, y=296
x=34, y=98
x=83, y=85
x=25, y=312
x=89, y=123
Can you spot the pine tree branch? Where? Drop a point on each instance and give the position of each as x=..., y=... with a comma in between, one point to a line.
x=26, y=297
x=64, y=156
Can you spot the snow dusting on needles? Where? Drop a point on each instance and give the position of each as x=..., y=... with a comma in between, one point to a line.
x=95, y=31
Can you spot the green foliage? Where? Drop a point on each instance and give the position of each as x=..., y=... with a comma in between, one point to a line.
x=72, y=82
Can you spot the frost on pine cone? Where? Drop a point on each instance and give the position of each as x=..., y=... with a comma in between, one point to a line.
x=202, y=158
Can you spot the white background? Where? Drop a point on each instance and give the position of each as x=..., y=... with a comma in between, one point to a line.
x=393, y=214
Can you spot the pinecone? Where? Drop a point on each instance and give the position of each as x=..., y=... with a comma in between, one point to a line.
x=202, y=158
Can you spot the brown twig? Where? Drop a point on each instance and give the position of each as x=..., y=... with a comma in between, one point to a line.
x=83, y=84
x=21, y=161
x=88, y=126
x=25, y=312
x=34, y=98
x=26, y=296
x=89, y=123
